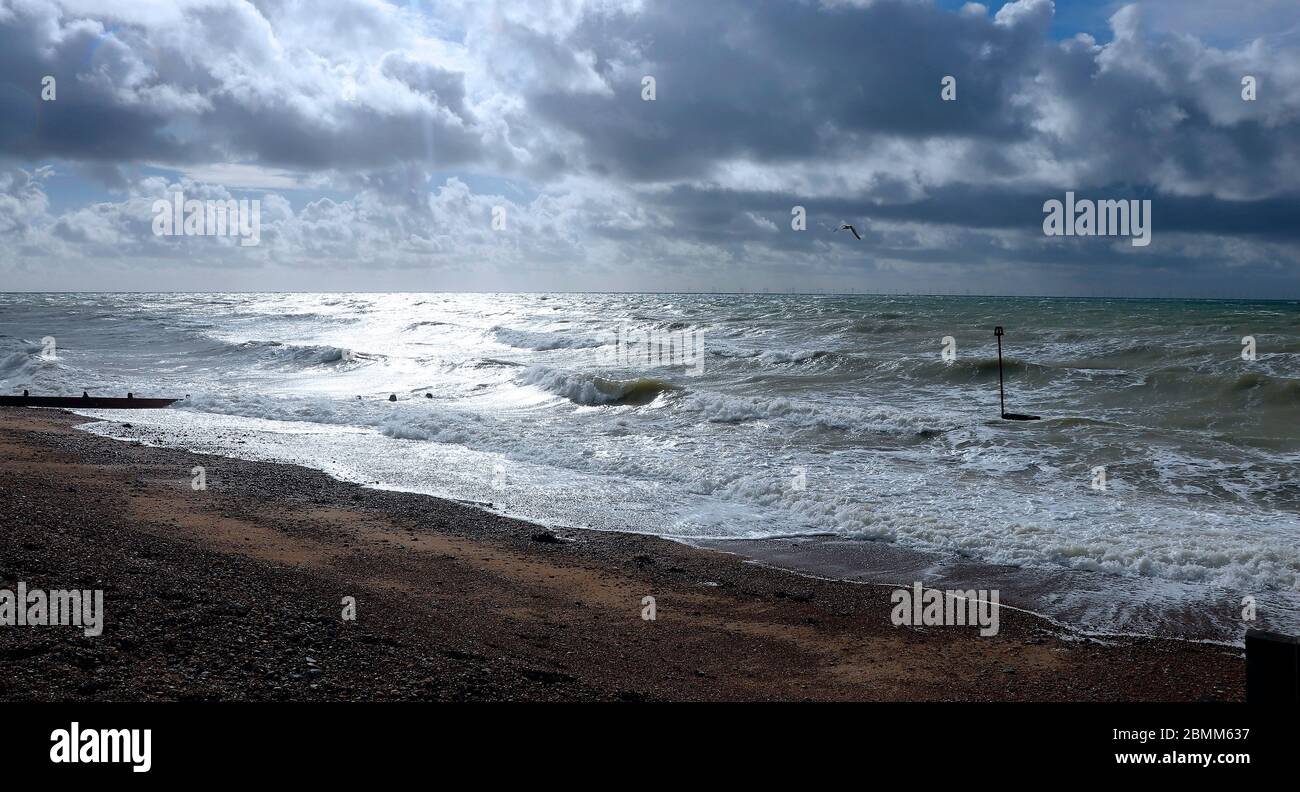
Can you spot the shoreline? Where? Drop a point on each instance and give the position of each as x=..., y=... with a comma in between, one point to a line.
x=1080, y=602
x=225, y=593
x=1059, y=597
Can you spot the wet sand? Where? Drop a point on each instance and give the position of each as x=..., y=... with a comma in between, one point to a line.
x=235, y=592
x=1079, y=602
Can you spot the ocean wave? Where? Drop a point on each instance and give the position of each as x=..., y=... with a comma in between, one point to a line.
x=1129, y=357
x=795, y=360
x=595, y=391
x=672, y=325
x=798, y=356
x=490, y=363
x=428, y=429
x=719, y=408
x=1268, y=389
x=967, y=369
x=732, y=353
x=542, y=342
x=426, y=323
x=277, y=353
x=265, y=316
x=333, y=318
x=17, y=365
x=21, y=365
x=1224, y=385
x=875, y=325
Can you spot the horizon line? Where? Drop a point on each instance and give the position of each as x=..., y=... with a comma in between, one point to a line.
x=681, y=293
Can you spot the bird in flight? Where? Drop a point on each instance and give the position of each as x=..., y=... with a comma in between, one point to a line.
x=854, y=231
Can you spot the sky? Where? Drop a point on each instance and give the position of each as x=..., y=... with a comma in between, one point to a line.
x=503, y=145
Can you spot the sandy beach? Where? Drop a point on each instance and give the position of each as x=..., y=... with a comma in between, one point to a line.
x=235, y=593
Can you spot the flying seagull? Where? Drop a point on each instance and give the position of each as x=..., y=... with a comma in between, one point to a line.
x=847, y=227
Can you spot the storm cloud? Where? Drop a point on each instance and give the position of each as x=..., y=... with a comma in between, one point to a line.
x=382, y=140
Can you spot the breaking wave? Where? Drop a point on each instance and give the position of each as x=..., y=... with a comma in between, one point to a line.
x=595, y=391
x=282, y=355
x=542, y=342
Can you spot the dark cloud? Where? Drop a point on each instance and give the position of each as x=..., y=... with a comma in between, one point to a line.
x=834, y=106
x=790, y=81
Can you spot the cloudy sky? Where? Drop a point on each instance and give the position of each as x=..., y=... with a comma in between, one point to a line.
x=379, y=137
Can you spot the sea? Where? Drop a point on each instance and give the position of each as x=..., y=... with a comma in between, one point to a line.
x=1158, y=494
